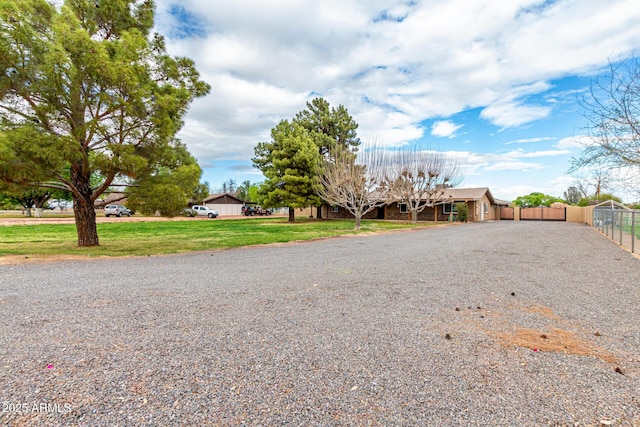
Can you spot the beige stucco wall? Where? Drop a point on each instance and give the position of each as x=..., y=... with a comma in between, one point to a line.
x=226, y=209
x=583, y=215
x=475, y=210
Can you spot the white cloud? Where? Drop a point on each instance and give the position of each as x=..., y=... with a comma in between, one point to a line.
x=514, y=166
x=529, y=140
x=478, y=163
x=444, y=129
x=513, y=114
x=573, y=142
x=511, y=111
x=557, y=186
x=521, y=154
x=393, y=64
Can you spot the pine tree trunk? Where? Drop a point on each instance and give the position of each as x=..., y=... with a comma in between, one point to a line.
x=83, y=209
x=85, y=216
x=292, y=214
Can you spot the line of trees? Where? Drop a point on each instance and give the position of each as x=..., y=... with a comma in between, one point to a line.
x=572, y=196
x=536, y=199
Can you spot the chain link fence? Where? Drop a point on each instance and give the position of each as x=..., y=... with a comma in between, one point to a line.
x=619, y=223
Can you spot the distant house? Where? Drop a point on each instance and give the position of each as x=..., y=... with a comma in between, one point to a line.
x=225, y=203
x=481, y=206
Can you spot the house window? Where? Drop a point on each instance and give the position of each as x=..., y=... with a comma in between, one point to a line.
x=403, y=208
x=485, y=207
x=334, y=209
x=449, y=208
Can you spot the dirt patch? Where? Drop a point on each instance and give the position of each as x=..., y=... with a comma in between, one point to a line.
x=541, y=310
x=24, y=259
x=555, y=340
x=540, y=330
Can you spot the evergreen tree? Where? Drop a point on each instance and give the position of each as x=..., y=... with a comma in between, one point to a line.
x=87, y=91
x=290, y=164
x=328, y=126
x=167, y=187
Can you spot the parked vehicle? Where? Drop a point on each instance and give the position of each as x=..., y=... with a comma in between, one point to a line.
x=117, y=210
x=204, y=211
x=255, y=210
x=188, y=212
x=59, y=204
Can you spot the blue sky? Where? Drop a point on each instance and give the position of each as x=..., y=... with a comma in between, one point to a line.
x=495, y=84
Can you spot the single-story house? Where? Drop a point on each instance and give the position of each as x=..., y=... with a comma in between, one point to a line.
x=225, y=203
x=481, y=206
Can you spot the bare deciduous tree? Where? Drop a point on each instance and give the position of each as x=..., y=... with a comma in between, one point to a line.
x=594, y=182
x=374, y=177
x=613, y=113
x=419, y=178
x=352, y=181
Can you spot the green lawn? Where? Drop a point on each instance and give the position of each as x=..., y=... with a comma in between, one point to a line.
x=148, y=238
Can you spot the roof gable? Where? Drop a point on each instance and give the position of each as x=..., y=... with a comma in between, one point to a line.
x=461, y=194
x=223, y=198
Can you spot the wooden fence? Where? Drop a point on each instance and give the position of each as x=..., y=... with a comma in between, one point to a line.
x=543, y=214
x=506, y=213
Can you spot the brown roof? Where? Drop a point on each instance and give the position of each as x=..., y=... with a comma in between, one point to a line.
x=454, y=195
x=223, y=199
x=468, y=194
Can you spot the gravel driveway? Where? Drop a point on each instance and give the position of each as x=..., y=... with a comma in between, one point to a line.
x=501, y=324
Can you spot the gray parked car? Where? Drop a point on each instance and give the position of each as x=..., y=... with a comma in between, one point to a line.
x=117, y=210
x=204, y=211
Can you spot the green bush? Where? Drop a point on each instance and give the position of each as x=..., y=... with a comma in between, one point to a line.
x=8, y=203
x=462, y=211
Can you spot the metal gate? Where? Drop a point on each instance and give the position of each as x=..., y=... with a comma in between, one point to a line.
x=619, y=223
x=542, y=213
x=506, y=213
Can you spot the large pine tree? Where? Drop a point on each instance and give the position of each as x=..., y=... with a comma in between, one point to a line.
x=328, y=126
x=89, y=98
x=290, y=164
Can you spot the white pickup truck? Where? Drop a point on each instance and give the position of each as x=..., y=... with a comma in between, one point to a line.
x=204, y=211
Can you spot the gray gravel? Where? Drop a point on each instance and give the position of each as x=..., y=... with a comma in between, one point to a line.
x=407, y=328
